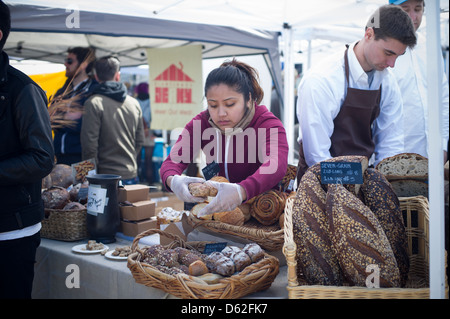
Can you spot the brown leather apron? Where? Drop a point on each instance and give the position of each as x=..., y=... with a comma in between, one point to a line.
x=352, y=133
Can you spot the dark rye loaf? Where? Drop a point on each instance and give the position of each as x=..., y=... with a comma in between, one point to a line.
x=383, y=202
x=359, y=239
x=316, y=260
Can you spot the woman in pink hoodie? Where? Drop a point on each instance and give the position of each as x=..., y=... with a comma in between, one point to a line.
x=244, y=138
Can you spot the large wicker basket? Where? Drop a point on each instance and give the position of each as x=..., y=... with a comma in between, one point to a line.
x=256, y=277
x=65, y=225
x=415, y=212
x=270, y=238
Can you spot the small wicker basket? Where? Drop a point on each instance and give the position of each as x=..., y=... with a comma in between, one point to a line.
x=65, y=225
x=270, y=238
x=255, y=277
x=416, y=217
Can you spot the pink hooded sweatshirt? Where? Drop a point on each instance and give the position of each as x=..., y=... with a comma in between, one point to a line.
x=255, y=158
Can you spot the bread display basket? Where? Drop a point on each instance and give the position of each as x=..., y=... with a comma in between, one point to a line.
x=65, y=225
x=416, y=219
x=255, y=277
x=270, y=238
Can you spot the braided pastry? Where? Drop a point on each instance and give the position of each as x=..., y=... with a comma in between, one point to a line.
x=268, y=207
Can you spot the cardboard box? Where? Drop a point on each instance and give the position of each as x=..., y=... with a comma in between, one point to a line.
x=132, y=229
x=181, y=229
x=139, y=211
x=168, y=200
x=133, y=193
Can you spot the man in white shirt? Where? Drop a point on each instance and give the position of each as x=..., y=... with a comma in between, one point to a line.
x=411, y=74
x=350, y=104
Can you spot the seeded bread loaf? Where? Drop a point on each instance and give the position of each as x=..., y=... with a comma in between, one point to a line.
x=383, y=202
x=405, y=165
x=359, y=239
x=317, y=263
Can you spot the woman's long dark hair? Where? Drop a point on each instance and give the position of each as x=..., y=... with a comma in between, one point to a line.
x=239, y=76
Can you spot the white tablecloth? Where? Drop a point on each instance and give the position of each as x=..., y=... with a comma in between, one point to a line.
x=103, y=278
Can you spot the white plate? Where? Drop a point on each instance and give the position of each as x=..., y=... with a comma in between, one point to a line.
x=110, y=256
x=82, y=249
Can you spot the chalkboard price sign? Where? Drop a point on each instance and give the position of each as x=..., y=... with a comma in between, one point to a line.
x=341, y=173
x=211, y=170
x=210, y=248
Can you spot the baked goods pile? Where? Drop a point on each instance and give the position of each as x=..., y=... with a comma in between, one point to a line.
x=59, y=192
x=342, y=230
x=235, y=217
x=169, y=215
x=267, y=208
x=208, y=268
x=407, y=173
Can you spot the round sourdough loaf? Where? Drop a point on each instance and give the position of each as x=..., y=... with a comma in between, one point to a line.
x=405, y=165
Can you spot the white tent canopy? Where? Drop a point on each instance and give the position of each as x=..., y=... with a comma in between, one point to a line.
x=45, y=33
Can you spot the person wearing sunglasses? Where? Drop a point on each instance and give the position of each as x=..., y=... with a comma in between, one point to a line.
x=70, y=100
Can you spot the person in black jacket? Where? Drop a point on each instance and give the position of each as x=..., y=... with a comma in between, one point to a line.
x=26, y=156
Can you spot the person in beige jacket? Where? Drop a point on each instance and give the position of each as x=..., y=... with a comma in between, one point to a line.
x=112, y=131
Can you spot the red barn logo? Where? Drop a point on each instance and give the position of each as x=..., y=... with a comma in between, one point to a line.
x=173, y=86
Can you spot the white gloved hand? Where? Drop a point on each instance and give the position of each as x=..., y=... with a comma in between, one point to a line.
x=179, y=186
x=228, y=197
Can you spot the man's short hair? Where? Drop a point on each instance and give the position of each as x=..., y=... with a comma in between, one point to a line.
x=392, y=22
x=106, y=68
x=84, y=54
x=5, y=23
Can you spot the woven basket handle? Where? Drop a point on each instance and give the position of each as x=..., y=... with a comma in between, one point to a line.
x=289, y=247
x=156, y=231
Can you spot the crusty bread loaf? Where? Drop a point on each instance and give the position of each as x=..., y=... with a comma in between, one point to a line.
x=55, y=197
x=316, y=261
x=196, y=209
x=245, y=208
x=234, y=217
x=219, y=179
x=202, y=190
x=405, y=165
x=359, y=239
x=198, y=268
x=409, y=187
x=383, y=202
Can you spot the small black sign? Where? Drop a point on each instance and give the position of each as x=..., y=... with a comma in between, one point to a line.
x=211, y=170
x=210, y=248
x=341, y=173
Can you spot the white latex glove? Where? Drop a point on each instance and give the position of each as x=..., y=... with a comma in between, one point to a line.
x=179, y=186
x=228, y=197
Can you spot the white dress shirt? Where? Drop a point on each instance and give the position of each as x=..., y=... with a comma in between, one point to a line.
x=411, y=73
x=321, y=94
